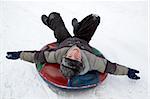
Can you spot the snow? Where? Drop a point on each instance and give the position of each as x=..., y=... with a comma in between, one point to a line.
x=122, y=37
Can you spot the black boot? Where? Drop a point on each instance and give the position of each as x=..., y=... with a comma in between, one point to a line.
x=75, y=25
x=55, y=22
x=85, y=29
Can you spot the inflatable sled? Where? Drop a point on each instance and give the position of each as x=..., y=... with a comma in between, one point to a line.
x=53, y=77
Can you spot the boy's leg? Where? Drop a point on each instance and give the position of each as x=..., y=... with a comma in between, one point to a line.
x=86, y=28
x=55, y=22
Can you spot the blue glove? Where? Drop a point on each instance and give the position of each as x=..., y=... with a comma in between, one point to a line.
x=132, y=74
x=13, y=55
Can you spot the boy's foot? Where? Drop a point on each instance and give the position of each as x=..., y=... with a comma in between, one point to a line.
x=86, y=23
x=53, y=21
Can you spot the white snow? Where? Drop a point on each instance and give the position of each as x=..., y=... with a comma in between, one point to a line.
x=122, y=37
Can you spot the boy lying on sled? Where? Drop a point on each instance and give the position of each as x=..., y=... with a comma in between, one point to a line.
x=74, y=54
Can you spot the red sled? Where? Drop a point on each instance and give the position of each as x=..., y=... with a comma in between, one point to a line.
x=53, y=77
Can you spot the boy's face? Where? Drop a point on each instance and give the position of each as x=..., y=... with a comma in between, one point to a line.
x=74, y=54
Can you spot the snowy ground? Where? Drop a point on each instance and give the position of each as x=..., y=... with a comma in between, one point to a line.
x=122, y=36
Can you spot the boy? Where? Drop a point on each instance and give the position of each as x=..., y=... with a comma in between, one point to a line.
x=74, y=54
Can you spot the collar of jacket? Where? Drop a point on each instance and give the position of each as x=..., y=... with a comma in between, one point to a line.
x=82, y=44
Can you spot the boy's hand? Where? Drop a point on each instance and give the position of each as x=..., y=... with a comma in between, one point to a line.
x=132, y=74
x=13, y=55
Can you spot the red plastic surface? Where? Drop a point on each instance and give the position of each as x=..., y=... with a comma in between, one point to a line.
x=52, y=73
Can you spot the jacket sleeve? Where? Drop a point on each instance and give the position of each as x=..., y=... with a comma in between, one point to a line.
x=116, y=69
x=103, y=65
x=38, y=56
x=28, y=56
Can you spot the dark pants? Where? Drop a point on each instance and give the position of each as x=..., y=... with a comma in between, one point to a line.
x=85, y=31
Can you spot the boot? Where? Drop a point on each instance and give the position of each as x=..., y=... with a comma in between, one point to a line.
x=75, y=25
x=53, y=21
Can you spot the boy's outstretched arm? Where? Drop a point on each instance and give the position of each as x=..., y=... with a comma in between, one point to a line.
x=23, y=55
x=105, y=66
x=33, y=56
x=118, y=69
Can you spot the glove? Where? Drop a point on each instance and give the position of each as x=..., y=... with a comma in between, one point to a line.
x=75, y=25
x=132, y=74
x=13, y=55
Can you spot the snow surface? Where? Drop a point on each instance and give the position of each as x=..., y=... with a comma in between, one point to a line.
x=122, y=36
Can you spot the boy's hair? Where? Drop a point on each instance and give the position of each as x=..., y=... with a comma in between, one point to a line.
x=70, y=67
